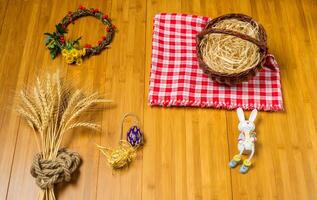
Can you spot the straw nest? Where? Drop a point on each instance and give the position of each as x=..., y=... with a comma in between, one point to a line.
x=231, y=48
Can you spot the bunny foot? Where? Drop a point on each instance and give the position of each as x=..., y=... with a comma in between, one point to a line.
x=235, y=161
x=245, y=167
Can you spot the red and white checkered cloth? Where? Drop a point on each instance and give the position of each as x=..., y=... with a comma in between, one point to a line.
x=177, y=80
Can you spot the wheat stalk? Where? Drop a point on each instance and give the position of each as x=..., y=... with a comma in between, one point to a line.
x=84, y=124
x=51, y=109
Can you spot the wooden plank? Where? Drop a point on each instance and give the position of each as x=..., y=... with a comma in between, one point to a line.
x=284, y=164
x=13, y=71
x=35, y=61
x=3, y=12
x=180, y=159
x=124, y=83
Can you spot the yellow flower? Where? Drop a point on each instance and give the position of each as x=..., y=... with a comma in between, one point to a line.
x=64, y=52
x=65, y=56
x=69, y=59
x=83, y=52
x=79, y=61
x=75, y=53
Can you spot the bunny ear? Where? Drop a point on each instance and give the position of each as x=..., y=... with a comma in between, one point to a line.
x=253, y=115
x=240, y=114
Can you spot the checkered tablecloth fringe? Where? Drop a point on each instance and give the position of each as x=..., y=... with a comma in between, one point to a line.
x=219, y=105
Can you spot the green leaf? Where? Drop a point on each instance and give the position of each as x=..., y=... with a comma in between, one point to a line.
x=52, y=46
x=48, y=40
x=60, y=29
x=68, y=45
x=54, y=51
x=53, y=54
x=50, y=43
x=48, y=34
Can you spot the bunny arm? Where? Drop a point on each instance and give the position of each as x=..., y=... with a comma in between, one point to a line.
x=253, y=137
x=241, y=137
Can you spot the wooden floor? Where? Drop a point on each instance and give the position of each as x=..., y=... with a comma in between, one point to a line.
x=187, y=149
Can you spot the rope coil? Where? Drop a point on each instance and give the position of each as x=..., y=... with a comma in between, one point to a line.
x=49, y=172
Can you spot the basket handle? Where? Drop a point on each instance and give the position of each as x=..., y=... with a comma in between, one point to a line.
x=241, y=17
x=260, y=43
x=129, y=114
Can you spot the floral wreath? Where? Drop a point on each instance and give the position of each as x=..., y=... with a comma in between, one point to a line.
x=71, y=50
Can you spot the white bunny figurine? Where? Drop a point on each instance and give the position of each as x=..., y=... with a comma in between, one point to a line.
x=246, y=140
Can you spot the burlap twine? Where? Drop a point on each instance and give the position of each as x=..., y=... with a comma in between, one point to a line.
x=49, y=172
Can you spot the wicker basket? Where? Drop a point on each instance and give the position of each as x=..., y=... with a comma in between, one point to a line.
x=234, y=77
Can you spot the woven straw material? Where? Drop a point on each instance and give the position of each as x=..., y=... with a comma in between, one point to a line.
x=231, y=48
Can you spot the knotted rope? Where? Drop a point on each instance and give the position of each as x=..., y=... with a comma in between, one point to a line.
x=49, y=172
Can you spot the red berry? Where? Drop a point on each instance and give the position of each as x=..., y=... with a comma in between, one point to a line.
x=105, y=17
x=87, y=46
x=107, y=29
x=99, y=42
x=82, y=7
x=104, y=37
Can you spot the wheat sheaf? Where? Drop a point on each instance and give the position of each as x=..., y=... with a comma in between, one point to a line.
x=51, y=108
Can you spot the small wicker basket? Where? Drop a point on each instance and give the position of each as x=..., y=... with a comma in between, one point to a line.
x=236, y=73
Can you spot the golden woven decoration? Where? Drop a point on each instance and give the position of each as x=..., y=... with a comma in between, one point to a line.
x=121, y=156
